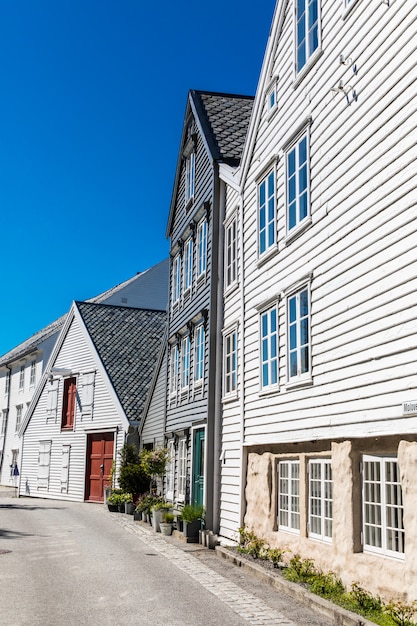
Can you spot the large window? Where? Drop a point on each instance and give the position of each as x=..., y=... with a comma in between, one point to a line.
x=269, y=348
x=201, y=247
x=68, y=403
x=289, y=496
x=170, y=471
x=176, y=279
x=185, y=362
x=19, y=412
x=266, y=213
x=231, y=253
x=383, y=527
x=174, y=367
x=320, y=499
x=189, y=177
x=199, y=353
x=298, y=200
x=307, y=30
x=188, y=264
x=299, y=335
x=230, y=363
x=182, y=468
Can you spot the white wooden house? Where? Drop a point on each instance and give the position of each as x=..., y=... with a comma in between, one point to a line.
x=22, y=367
x=94, y=387
x=324, y=377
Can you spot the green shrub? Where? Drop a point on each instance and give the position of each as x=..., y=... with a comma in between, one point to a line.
x=250, y=543
x=300, y=570
x=275, y=555
x=168, y=518
x=327, y=585
x=132, y=478
x=192, y=512
x=401, y=613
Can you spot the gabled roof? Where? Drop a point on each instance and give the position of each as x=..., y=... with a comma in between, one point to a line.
x=222, y=120
x=128, y=342
x=147, y=287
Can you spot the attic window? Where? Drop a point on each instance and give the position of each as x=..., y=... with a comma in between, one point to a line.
x=271, y=96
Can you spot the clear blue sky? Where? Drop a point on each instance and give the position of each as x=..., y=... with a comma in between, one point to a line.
x=93, y=94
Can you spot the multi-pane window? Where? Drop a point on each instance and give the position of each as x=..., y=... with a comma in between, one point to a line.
x=199, y=353
x=32, y=373
x=19, y=411
x=188, y=264
x=185, y=362
x=266, y=213
x=298, y=201
x=307, y=30
x=289, y=495
x=189, y=176
x=173, y=384
x=7, y=383
x=271, y=97
x=231, y=253
x=176, y=279
x=4, y=421
x=201, y=247
x=320, y=499
x=383, y=526
x=68, y=403
x=230, y=363
x=182, y=468
x=22, y=377
x=170, y=472
x=269, y=348
x=299, y=335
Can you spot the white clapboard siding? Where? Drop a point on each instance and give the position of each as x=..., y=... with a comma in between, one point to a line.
x=75, y=353
x=359, y=250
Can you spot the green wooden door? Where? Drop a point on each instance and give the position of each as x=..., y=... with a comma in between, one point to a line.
x=198, y=466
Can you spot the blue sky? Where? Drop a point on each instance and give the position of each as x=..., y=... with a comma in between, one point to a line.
x=93, y=95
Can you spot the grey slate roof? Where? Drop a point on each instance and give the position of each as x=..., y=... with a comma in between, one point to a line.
x=128, y=342
x=225, y=120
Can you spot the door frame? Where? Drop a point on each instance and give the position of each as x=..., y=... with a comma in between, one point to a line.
x=88, y=434
x=193, y=431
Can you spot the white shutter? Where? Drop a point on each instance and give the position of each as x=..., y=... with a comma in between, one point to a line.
x=44, y=464
x=52, y=398
x=65, y=468
x=87, y=393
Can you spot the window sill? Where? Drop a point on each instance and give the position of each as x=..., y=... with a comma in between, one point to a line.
x=67, y=428
x=306, y=69
x=298, y=230
x=189, y=203
x=230, y=398
x=299, y=383
x=231, y=289
x=347, y=10
x=266, y=256
x=272, y=113
x=198, y=384
x=269, y=391
x=201, y=278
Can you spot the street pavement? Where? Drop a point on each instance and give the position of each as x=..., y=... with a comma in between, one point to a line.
x=75, y=563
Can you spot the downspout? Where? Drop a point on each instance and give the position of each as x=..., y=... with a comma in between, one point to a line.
x=241, y=363
x=7, y=419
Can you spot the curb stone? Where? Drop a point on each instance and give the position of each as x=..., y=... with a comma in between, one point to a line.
x=339, y=615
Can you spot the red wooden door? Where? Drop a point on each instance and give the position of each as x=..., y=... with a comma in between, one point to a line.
x=99, y=461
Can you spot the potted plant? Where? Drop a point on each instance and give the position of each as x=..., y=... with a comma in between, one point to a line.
x=158, y=510
x=113, y=501
x=166, y=524
x=129, y=505
x=192, y=515
x=144, y=505
x=133, y=477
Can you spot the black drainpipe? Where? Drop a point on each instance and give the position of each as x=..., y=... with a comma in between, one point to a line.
x=7, y=417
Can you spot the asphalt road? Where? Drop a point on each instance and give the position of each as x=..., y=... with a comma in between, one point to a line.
x=74, y=564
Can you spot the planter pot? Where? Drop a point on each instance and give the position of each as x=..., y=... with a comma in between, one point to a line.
x=106, y=493
x=129, y=508
x=121, y=507
x=113, y=507
x=157, y=517
x=191, y=529
x=166, y=529
x=137, y=516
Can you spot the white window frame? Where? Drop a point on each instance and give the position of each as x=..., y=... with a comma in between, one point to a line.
x=267, y=225
x=320, y=499
x=382, y=506
x=174, y=370
x=310, y=50
x=22, y=377
x=7, y=382
x=188, y=265
x=272, y=96
x=170, y=472
x=297, y=198
x=182, y=468
x=19, y=414
x=269, y=348
x=176, y=279
x=189, y=177
x=295, y=331
x=185, y=363
x=230, y=251
x=199, y=354
x=201, y=247
x=230, y=340
x=289, y=496
x=4, y=421
x=32, y=379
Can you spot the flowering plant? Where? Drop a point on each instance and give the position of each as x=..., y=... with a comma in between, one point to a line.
x=154, y=462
